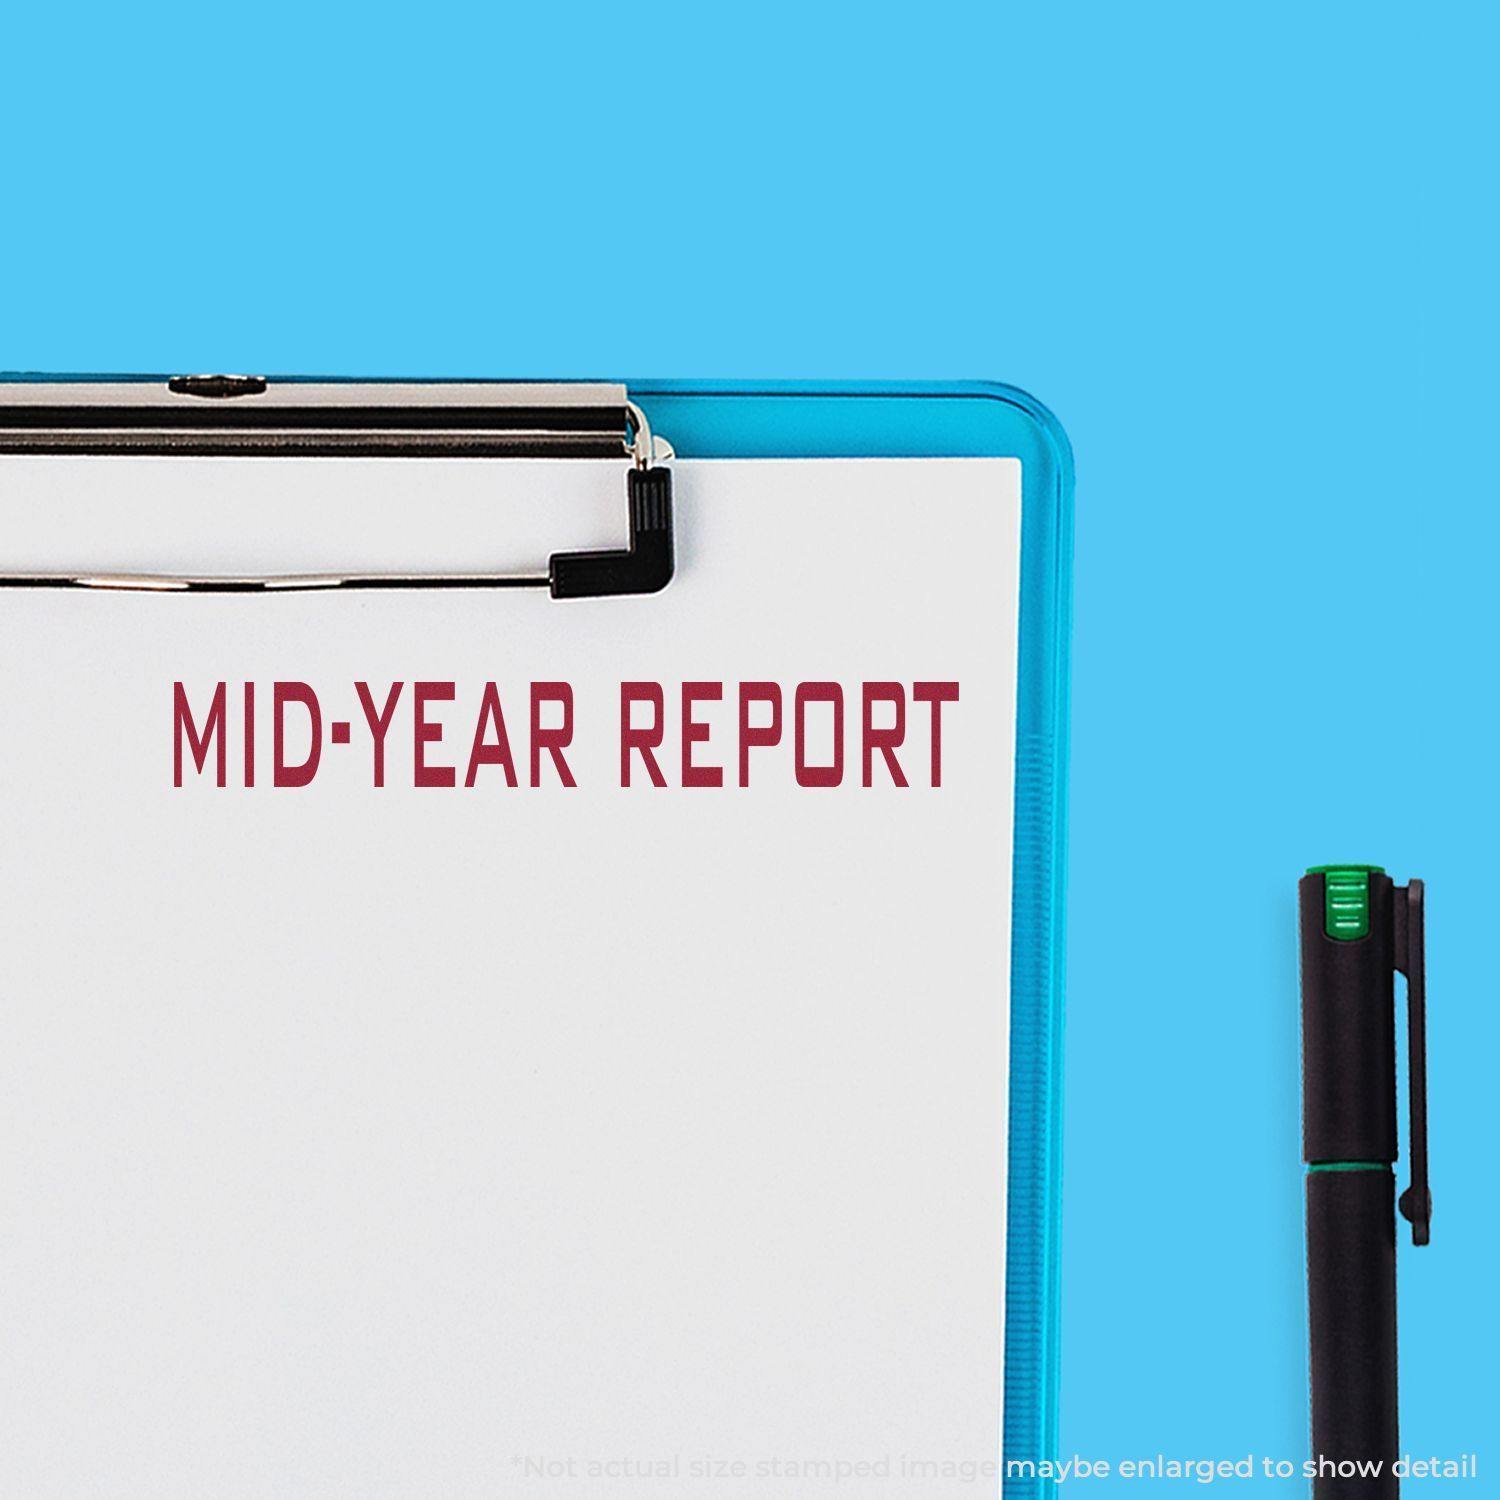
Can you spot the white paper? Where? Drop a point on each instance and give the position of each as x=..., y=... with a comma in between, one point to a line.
x=415, y=1141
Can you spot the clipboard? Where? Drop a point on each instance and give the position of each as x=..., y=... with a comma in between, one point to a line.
x=672, y=483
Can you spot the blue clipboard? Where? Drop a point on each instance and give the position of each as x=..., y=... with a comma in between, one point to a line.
x=970, y=420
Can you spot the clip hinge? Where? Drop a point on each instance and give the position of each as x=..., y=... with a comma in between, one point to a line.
x=1411, y=959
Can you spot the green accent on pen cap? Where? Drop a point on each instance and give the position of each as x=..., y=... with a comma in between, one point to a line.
x=1351, y=1166
x=1346, y=899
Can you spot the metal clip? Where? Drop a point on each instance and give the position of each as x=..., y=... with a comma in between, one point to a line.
x=224, y=415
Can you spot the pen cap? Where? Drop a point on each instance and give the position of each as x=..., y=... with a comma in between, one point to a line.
x=1348, y=1015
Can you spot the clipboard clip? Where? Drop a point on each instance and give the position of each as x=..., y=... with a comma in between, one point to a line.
x=245, y=415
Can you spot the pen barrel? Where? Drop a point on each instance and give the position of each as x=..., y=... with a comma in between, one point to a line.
x=1351, y=1280
x=1348, y=1030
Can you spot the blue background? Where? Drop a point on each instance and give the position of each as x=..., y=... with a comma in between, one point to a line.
x=1244, y=252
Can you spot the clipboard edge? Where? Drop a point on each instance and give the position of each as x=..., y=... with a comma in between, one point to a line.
x=831, y=419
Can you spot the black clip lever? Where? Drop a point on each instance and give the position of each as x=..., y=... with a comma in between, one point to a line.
x=1411, y=959
x=644, y=567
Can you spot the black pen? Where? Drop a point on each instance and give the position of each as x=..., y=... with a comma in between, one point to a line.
x=1358, y=930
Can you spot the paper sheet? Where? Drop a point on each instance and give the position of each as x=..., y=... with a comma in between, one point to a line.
x=478, y=1140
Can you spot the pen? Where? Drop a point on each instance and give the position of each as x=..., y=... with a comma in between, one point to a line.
x=1358, y=930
